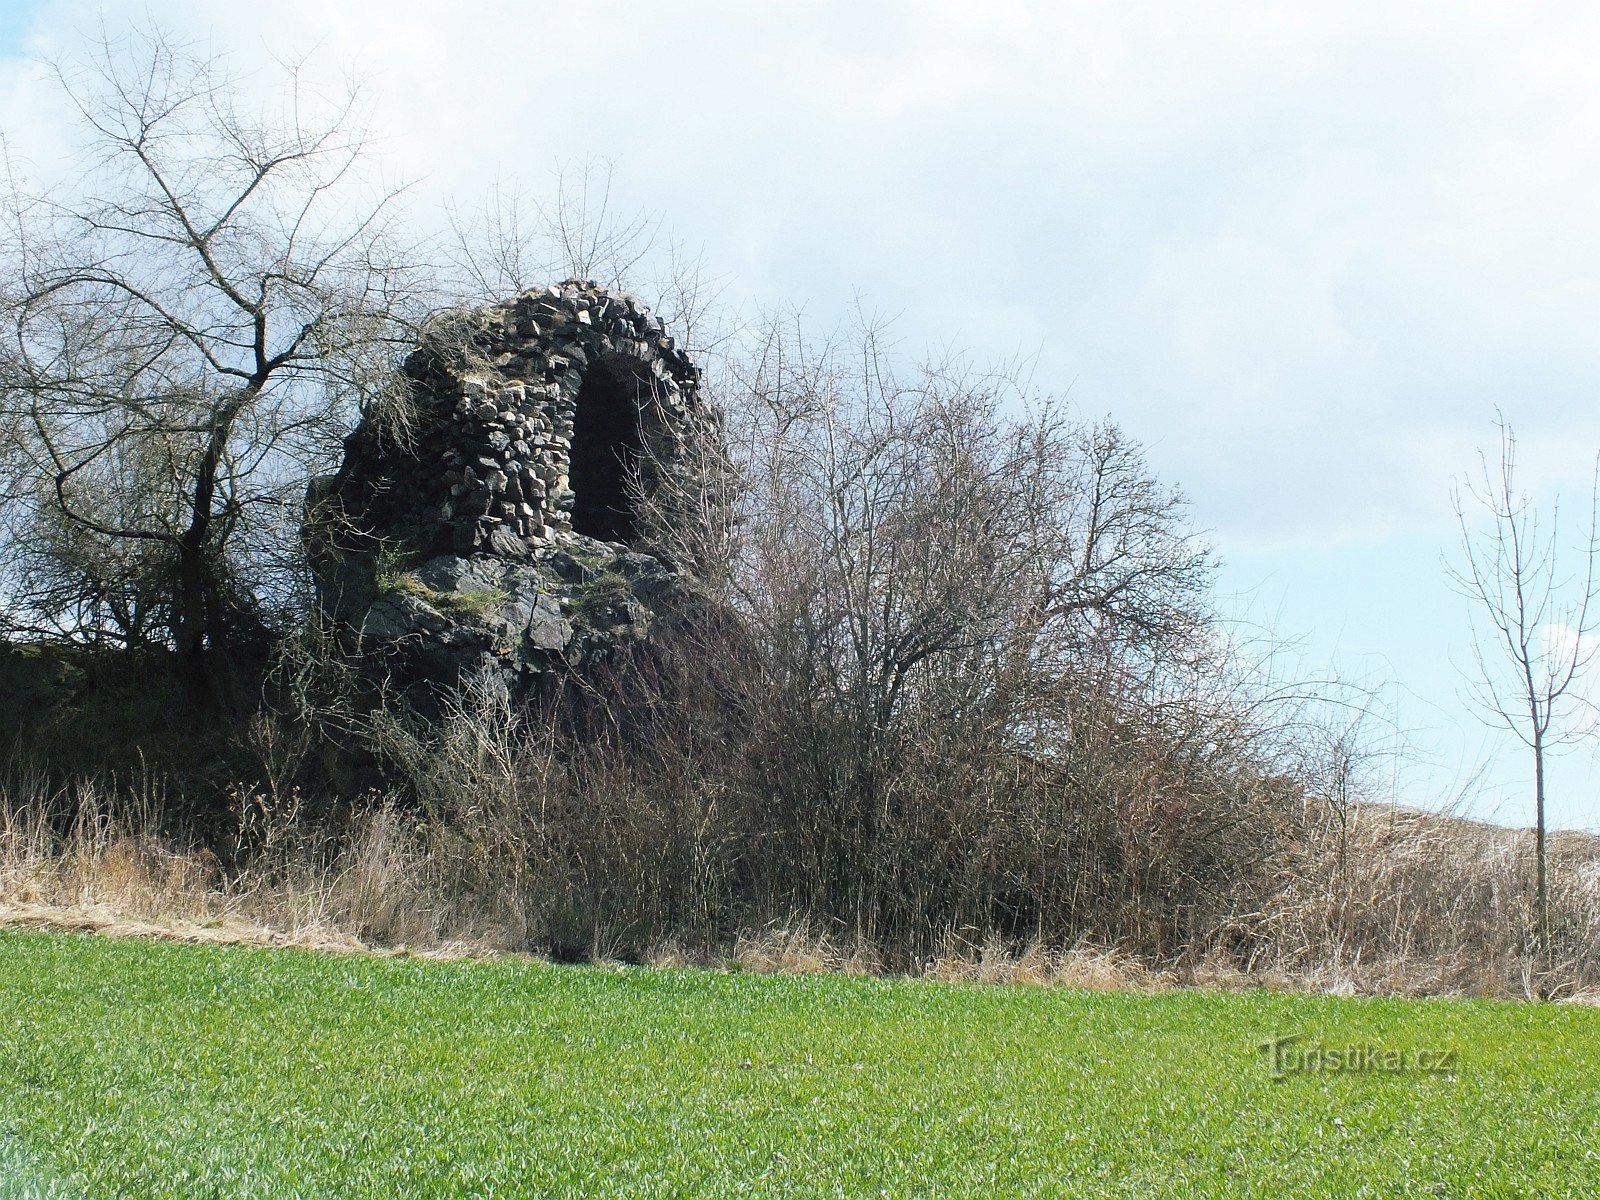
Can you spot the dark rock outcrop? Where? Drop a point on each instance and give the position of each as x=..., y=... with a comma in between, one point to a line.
x=38, y=681
x=505, y=514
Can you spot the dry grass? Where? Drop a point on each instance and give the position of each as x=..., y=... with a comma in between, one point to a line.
x=106, y=870
x=1400, y=901
x=1086, y=966
x=793, y=947
x=1386, y=901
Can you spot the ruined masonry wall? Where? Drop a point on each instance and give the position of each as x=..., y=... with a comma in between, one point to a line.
x=487, y=467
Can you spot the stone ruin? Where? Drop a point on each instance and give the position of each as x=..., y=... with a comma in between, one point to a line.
x=507, y=516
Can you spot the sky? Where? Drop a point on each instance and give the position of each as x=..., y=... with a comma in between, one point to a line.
x=1305, y=254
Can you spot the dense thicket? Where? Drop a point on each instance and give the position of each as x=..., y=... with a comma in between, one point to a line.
x=965, y=683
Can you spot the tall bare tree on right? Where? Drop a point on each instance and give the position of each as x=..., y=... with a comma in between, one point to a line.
x=1536, y=596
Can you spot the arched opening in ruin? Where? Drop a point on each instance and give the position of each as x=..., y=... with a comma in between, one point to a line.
x=606, y=453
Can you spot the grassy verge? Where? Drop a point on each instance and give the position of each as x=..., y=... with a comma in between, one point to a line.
x=155, y=1069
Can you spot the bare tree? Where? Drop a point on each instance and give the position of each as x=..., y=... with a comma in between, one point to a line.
x=1536, y=597
x=187, y=328
x=941, y=594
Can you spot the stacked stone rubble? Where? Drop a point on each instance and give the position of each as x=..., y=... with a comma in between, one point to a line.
x=494, y=393
x=445, y=545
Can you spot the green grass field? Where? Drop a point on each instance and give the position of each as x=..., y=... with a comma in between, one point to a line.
x=134, y=1068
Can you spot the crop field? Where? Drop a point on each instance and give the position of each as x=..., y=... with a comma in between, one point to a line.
x=140, y=1068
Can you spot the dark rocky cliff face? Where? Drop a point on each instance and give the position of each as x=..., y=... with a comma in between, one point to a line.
x=506, y=517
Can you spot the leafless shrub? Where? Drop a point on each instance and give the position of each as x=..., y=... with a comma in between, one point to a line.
x=1424, y=907
x=986, y=665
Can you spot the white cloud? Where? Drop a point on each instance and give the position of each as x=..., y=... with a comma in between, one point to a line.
x=1324, y=237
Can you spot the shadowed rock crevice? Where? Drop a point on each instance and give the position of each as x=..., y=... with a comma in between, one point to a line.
x=607, y=453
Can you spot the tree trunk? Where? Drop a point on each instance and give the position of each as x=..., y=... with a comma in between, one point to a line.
x=1540, y=883
x=196, y=620
x=191, y=623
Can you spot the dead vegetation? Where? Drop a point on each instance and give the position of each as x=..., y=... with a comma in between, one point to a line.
x=1403, y=903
